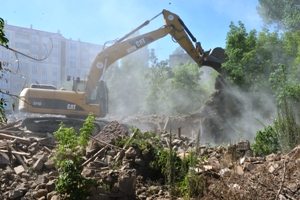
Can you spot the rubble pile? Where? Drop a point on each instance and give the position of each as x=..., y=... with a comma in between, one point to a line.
x=27, y=170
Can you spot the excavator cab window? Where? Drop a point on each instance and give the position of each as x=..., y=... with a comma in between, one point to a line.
x=100, y=96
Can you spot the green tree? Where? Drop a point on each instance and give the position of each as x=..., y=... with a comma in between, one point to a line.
x=157, y=96
x=68, y=159
x=284, y=14
x=3, y=40
x=240, y=52
x=188, y=91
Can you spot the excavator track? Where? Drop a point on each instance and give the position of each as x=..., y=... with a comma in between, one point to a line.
x=51, y=124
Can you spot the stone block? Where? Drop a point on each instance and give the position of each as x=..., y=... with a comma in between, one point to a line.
x=19, y=169
x=243, y=145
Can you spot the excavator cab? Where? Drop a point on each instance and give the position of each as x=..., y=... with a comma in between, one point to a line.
x=99, y=95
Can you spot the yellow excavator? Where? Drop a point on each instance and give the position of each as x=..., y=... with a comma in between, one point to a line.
x=91, y=96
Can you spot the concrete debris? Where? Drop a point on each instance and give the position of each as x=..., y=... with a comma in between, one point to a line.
x=27, y=170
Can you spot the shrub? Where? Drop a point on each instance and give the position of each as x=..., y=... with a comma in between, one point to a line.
x=68, y=159
x=266, y=142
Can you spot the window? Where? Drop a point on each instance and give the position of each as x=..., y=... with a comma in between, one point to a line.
x=34, y=67
x=84, y=64
x=72, y=63
x=24, y=66
x=54, y=60
x=7, y=34
x=72, y=72
x=34, y=48
x=5, y=54
x=55, y=51
x=84, y=55
x=22, y=45
x=44, y=68
x=34, y=76
x=45, y=40
x=22, y=36
x=55, y=41
x=73, y=54
x=6, y=75
x=5, y=84
x=34, y=38
x=44, y=77
x=55, y=69
x=44, y=50
x=84, y=73
x=54, y=78
x=73, y=45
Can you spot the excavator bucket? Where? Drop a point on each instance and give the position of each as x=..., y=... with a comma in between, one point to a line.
x=214, y=59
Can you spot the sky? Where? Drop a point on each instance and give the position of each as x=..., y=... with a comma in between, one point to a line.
x=98, y=21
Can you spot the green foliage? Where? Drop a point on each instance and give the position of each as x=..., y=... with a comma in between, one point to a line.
x=251, y=57
x=283, y=86
x=187, y=82
x=285, y=14
x=3, y=39
x=287, y=127
x=145, y=141
x=177, y=90
x=3, y=118
x=68, y=160
x=162, y=163
x=284, y=134
x=159, y=88
x=266, y=142
x=192, y=186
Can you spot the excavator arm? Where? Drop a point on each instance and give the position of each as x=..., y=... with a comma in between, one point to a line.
x=173, y=26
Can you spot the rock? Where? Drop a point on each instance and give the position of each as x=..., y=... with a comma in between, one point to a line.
x=239, y=170
x=50, y=186
x=40, y=193
x=250, y=166
x=49, y=164
x=272, y=157
x=226, y=172
x=243, y=145
x=54, y=174
x=271, y=169
x=42, y=157
x=14, y=194
x=99, y=196
x=131, y=153
x=41, y=179
x=19, y=170
x=127, y=182
x=249, y=153
x=38, y=165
